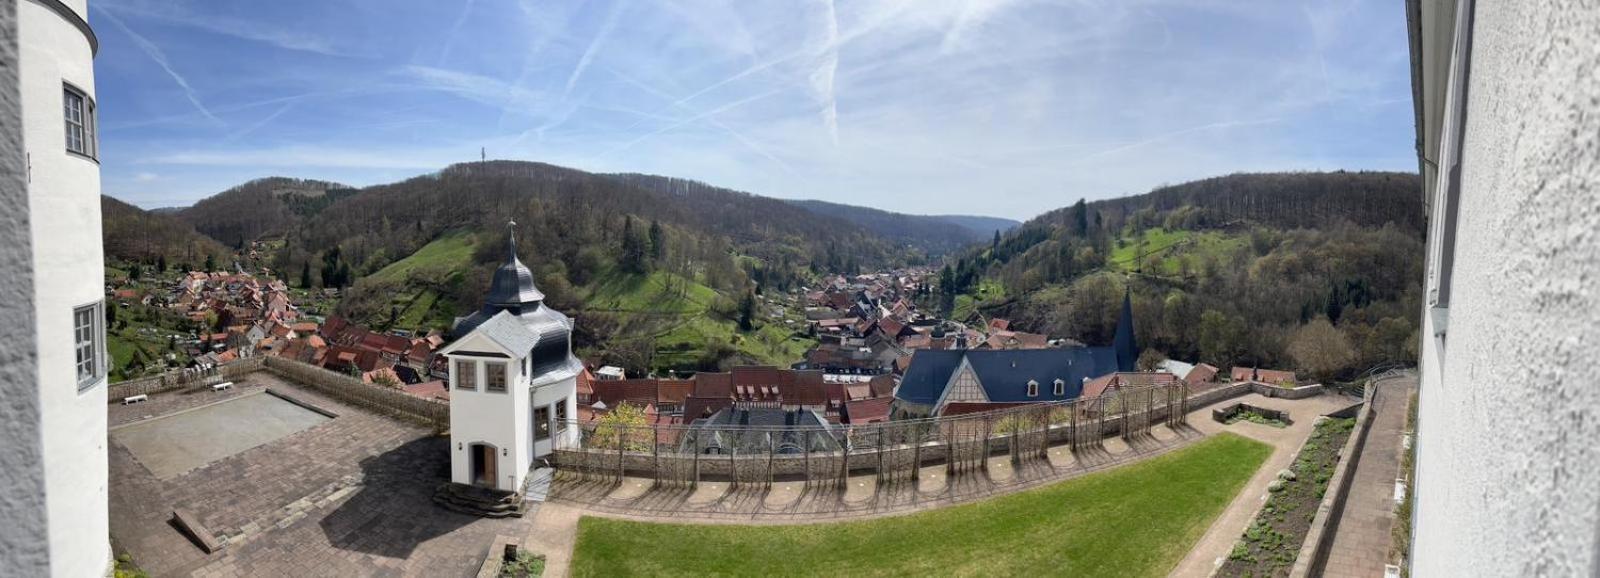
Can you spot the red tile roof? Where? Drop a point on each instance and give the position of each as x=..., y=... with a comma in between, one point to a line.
x=868, y=410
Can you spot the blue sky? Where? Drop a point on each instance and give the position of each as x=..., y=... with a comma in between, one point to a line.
x=1006, y=108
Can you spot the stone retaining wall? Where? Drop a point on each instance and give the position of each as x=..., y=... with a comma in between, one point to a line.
x=1301, y=392
x=347, y=389
x=179, y=379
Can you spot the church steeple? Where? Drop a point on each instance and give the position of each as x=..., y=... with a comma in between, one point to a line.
x=512, y=287
x=1127, y=351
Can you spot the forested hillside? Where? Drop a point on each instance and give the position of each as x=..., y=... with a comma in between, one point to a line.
x=261, y=208
x=133, y=235
x=1314, y=271
x=662, y=273
x=934, y=235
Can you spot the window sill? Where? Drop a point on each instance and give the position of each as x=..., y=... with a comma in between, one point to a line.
x=73, y=153
x=88, y=386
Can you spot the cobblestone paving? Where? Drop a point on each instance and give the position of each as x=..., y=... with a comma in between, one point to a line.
x=349, y=497
x=1361, y=535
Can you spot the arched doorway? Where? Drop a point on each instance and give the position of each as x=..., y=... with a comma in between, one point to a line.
x=484, y=470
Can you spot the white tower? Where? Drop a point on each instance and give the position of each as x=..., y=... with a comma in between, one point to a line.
x=513, y=382
x=58, y=275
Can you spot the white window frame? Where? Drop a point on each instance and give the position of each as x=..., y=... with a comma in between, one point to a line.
x=1061, y=387
x=490, y=369
x=560, y=415
x=84, y=127
x=466, y=373
x=88, y=344
x=1033, y=388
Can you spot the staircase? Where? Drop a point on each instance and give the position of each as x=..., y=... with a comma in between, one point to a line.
x=478, y=501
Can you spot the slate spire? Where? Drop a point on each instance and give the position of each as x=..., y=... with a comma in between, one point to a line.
x=1127, y=351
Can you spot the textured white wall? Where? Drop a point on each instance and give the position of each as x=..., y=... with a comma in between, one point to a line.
x=64, y=209
x=1509, y=432
x=23, y=548
x=482, y=416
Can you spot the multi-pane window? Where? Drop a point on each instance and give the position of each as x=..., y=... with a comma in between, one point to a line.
x=80, y=122
x=561, y=415
x=496, y=377
x=541, y=423
x=466, y=374
x=87, y=334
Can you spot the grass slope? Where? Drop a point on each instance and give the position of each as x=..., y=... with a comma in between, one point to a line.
x=450, y=252
x=1171, y=247
x=1136, y=520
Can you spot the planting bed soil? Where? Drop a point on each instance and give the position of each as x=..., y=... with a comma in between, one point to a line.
x=1271, y=543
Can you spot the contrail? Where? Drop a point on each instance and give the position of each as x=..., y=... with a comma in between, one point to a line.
x=594, y=46
x=154, y=52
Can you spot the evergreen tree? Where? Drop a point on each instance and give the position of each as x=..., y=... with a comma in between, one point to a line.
x=211, y=263
x=747, y=311
x=633, y=249
x=161, y=264
x=1080, y=219
x=658, y=242
x=305, y=275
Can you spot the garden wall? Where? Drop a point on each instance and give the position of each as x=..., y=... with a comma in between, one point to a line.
x=179, y=379
x=1318, y=538
x=384, y=400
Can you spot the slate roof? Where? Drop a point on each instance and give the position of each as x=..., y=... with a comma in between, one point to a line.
x=506, y=331
x=1005, y=374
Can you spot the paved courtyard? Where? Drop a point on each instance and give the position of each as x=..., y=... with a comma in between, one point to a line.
x=350, y=496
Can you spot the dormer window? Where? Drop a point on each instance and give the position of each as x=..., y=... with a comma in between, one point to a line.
x=1061, y=387
x=1033, y=388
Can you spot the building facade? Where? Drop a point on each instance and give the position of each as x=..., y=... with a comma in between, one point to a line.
x=57, y=274
x=513, y=382
x=1508, y=428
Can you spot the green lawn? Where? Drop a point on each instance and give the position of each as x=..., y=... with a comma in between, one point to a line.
x=1136, y=520
x=451, y=252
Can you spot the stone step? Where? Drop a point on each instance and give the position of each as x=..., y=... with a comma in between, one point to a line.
x=480, y=501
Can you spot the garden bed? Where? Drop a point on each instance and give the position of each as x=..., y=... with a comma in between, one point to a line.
x=1271, y=543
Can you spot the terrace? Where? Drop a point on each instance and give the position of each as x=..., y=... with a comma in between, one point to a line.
x=291, y=482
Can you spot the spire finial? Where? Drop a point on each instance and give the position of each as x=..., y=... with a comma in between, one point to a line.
x=512, y=237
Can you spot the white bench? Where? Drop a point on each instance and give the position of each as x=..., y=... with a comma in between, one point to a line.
x=222, y=386
x=132, y=399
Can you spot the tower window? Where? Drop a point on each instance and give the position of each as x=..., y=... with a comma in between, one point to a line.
x=466, y=374
x=78, y=111
x=496, y=379
x=88, y=334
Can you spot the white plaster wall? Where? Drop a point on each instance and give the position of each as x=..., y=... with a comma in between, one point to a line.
x=481, y=416
x=64, y=206
x=559, y=386
x=24, y=546
x=1509, y=431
